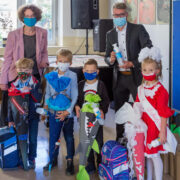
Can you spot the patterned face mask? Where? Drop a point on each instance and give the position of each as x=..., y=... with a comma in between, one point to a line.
x=23, y=75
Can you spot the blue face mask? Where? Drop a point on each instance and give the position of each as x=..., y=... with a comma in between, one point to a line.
x=30, y=21
x=90, y=76
x=121, y=21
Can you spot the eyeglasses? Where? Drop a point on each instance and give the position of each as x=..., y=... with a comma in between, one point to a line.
x=119, y=15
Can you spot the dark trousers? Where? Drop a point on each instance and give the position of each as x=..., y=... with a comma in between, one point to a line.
x=125, y=86
x=4, y=109
x=55, y=128
x=99, y=138
x=33, y=133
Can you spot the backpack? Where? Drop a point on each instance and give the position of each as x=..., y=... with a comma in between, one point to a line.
x=114, y=164
x=9, y=154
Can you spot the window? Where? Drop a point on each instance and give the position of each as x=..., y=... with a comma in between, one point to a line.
x=8, y=16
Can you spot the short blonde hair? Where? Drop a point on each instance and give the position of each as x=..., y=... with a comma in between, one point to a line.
x=66, y=53
x=36, y=10
x=24, y=63
x=91, y=62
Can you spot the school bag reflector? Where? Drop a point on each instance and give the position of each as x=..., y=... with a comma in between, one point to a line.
x=114, y=164
x=9, y=155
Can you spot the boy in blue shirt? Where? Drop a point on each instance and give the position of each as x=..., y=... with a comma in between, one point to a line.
x=60, y=98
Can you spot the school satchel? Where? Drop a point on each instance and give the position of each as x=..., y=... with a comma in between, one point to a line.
x=9, y=154
x=114, y=164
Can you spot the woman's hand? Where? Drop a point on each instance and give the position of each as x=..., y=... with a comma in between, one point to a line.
x=77, y=109
x=61, y=115
x=4, y=87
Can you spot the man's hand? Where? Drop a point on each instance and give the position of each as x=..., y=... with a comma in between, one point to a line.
x=77, y=109
x=127, y=65
x=112, y=57
x=61, y=115
x=4, y=87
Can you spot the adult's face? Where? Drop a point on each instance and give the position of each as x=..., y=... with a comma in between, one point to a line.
x=119, y=13
x=29, y=18
x=28, y=13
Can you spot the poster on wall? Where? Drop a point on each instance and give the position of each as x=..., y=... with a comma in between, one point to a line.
x=163, y=9
x=147, y=11
x=132, y=8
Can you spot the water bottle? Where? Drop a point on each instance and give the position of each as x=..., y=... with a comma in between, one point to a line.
x=98, y=115
x=118, y=54
x=154, y=143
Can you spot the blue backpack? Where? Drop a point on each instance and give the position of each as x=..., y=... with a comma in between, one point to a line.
x=9, y=154
x=114, y=164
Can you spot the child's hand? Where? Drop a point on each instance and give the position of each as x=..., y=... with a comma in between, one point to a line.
x=102, y=114
x=26, y=89
x=61, y=115
x=11, y=124
x=163, y=137
x=77, y=109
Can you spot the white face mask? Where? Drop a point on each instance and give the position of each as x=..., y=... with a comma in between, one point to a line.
x=63, y=66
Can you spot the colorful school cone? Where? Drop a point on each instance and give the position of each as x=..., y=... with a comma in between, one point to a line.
x=138, y=157
x=82, y=174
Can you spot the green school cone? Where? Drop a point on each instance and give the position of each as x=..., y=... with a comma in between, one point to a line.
x=82, y=174
x=176, y=130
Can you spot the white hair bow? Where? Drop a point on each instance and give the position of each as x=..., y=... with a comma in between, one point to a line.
x=153, y=53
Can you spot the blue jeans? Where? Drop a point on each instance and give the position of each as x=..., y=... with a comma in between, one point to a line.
x=55, y=128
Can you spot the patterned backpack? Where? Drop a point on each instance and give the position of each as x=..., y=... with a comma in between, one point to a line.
x=114, y=164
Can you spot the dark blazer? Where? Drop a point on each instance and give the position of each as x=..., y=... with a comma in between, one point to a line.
x=136, y=39
x=101, y=91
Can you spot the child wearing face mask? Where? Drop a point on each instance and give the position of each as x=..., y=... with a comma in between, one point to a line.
x=152, y=105
x=60, y=98
x=23, y=94
x=93, y=84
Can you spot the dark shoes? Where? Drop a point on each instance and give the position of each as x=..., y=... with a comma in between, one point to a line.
x=91, y=168
x=70, y=167
x=54, y=164
x=32, y=164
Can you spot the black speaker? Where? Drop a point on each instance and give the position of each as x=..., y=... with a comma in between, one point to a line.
x=83, y=12
x=101, y=27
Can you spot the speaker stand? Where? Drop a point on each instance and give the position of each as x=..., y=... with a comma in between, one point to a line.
x=87, y=46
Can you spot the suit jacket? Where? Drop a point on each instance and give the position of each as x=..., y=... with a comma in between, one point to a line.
x=101, y=91
x=136, y=39
x=15, y=50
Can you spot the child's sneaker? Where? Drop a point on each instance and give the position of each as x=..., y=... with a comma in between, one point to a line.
x=32, y=164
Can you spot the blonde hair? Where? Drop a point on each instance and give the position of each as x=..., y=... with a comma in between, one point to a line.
x=24, y=63
x=157, y=64
x=66, y=53
x=91, y=62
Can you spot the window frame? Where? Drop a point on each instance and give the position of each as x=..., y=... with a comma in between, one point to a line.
x=54, y=20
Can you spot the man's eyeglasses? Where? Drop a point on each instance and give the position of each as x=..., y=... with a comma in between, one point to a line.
x=119, y=15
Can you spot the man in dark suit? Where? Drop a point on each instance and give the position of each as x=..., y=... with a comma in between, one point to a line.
x=130, y=38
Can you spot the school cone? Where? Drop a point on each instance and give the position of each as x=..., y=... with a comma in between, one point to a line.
x=138, y=157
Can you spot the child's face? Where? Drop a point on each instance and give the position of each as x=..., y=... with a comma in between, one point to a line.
x=26, y=70
x=62, y=59
x=149, y=68
x=90, y=68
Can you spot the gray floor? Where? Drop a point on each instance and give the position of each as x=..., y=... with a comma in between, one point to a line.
x=42, y=157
